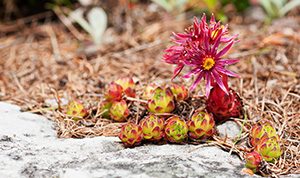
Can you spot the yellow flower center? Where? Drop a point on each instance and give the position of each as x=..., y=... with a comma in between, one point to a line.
x=208, y=63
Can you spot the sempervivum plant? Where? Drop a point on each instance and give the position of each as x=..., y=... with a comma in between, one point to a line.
x=127, y=84
x=105, y=105
x=198, y=48
x=161, y=101
x=76, y=110
x=176, y=129
x=223, y=105
x=119, y=111
x=148, y=91
x=180, y=92
x=201, y=125
x=153, y=127
x=261, y=132
x=253, y=160
x=131, y=134
x=269, y=148
x=114, y=92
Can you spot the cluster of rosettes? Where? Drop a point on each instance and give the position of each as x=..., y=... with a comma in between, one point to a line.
x=175, y=129
x=113, y=107
x=159, y=124
x=266, y=143
x=198, y=48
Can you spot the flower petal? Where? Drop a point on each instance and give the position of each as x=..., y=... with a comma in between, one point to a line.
x=207, y=87
x=217, y=43
x=192, y=72
x=180, y=42
x=216, y=77
x=182, y=36
x=229, y=39
x=223, y=51
x=177, y=70
x=195, y=54
x=199, y=52
x=199, y=77
x=226, y=61
x=206, y=44
x=226, y=72
x=212, y=20
x=174, y=48
x=203, y=18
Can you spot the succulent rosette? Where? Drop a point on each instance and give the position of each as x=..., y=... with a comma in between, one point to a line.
x=161, y=101
x=128, y=85
x=105, y=105
x=176, y=129
x=114, y=92
x=201, y=125
x=119, y=111
x=269, y=148
x=153, y=127
x=259, y=133
x=180, y=92
x=148, y=91
x=253, y=160
x=223, y=105
x=76, y=110
x=198, y=48
x=131, y=134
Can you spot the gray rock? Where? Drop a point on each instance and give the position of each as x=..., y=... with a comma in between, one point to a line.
x=30, y=148
x=229, y=128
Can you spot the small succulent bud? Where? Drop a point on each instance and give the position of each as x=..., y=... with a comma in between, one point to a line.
x=223, y=105
x=131, y=134
x=201, y=125
x=119, y=111
x=105, y=105
x=253, y=160
x=153, y=127
x=180, y=92
x=261, y=132
x=76, y=110
x=128, y=85
x=176, y=129
x=161, y=101
x=149, y=90
x=114, y=91
x=269, y=148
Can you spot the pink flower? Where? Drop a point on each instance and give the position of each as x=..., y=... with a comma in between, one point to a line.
x=208, y=64
x=198, y=47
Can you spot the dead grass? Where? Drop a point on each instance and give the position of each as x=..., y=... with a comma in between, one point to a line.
x=44, y=61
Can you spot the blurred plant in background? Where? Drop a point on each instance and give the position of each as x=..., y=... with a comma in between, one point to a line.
x=208, y=6
x=278, y=8
x=172, y=5
x=240, y=5
x=199, y=6
x=95, y=24
x=274, y=8
x=53, y=3
x=94, y=21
